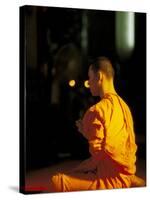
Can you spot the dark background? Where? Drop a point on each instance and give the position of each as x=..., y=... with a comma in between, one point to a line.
x=51, y=38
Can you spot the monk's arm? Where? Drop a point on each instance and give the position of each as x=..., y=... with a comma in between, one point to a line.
x=91, y=127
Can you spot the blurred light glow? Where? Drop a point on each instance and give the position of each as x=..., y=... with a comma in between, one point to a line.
x=72, y=83
x=86, y=84
x=125, y=33
x=84, y=33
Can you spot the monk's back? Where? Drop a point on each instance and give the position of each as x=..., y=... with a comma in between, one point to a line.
x=118, y=130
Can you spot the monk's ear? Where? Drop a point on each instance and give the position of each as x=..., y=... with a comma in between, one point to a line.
x=100, y=75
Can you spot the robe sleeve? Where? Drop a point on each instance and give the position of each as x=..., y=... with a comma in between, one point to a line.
x=93, y=130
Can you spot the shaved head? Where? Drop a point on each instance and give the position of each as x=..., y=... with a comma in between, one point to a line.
x=103, y=64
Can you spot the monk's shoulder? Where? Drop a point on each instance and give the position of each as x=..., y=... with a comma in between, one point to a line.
x=94, y=110
x=100, y=108
x=104, y=105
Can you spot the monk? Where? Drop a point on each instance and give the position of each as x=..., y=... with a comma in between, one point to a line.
x=108, y=127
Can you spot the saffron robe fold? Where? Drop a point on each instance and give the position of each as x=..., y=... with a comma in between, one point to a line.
x=109, y=123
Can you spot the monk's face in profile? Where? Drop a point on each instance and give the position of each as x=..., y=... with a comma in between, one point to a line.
x=94, y=82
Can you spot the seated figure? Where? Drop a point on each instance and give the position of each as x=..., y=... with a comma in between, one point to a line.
x=108, y=127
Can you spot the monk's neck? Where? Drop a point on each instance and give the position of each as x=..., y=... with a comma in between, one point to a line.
x=107, y=88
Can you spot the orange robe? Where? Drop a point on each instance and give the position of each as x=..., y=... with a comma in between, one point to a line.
x=110, y=123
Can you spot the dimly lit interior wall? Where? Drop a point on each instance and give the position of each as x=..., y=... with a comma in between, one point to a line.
x=31, y=37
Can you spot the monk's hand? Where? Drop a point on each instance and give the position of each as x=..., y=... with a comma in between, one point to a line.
x=79, y=125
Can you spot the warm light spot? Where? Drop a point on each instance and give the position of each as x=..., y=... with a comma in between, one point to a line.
x=86, y=84
x=72, y=83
